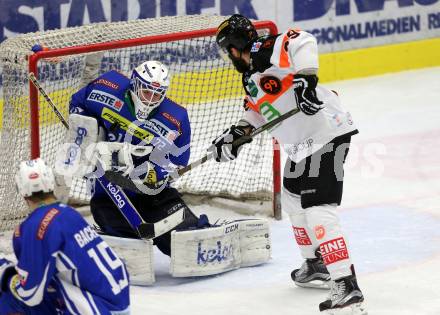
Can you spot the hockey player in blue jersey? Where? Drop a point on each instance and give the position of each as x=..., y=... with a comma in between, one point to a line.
x=133, y=114
x=63, y=265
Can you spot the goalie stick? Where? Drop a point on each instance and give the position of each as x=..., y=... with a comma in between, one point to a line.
x=127, y=183
x=144, y=229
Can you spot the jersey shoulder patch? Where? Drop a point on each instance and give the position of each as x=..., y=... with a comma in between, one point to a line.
x=41, y=219
x=45, y=222
x=174, y=114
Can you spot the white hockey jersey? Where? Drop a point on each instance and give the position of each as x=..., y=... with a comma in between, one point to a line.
x=269, y=87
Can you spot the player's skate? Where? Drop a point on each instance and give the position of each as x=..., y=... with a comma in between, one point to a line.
x=345, y=298
x=312, y=274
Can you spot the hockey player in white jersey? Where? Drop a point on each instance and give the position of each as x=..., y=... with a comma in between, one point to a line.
x=280, y=74
x=63, y=265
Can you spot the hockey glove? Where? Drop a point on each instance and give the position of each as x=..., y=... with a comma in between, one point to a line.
x=222, y=147
x=305, y=94
x=7, y=270
x=116, y=156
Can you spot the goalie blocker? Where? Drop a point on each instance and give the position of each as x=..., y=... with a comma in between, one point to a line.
x=75, y=157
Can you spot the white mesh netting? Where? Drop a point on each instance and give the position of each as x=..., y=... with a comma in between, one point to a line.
x=202, y=82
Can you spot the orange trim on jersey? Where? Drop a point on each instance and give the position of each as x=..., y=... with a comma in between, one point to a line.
x=284, y=56
x=251, y=105
x=286, y=83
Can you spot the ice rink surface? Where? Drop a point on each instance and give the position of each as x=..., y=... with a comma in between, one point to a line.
x=390, y=212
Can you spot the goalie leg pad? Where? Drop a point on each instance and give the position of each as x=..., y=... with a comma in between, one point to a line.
x=255, y=242
x=219, y=249
x=138, y=258
x=205, y=252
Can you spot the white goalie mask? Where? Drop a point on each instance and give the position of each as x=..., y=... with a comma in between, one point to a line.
x=149, y=84
x=34, y=176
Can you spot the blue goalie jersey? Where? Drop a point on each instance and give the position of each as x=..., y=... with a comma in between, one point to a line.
x=108, y=100
x=60, y=256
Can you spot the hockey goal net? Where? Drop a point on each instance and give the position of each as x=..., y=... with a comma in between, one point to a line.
x=202, y=82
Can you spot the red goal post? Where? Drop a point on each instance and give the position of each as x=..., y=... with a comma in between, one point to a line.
x=207, y=86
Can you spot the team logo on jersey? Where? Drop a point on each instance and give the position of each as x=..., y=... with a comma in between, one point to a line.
x=270, y=84
x=256, y=46
x=45, y=222
x=105, y=99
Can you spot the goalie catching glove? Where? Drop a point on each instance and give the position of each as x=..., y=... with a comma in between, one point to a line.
x=226, y=146
x=127, y=166
x=117, y=156
x=305, y=94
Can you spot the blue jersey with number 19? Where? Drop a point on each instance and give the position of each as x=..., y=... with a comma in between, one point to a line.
x=57, y=251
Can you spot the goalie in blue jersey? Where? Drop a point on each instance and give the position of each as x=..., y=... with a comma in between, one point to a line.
x=63, y=265
x=133, y=129
x=140, y=132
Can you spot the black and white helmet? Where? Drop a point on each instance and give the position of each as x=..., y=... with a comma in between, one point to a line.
x=34, y=176
x=148, y=86
x=237, y=31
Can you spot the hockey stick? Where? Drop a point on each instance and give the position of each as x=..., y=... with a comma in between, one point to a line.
x=127, y=183
x=119, y=198
x=48, y=99
x=237, y=142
